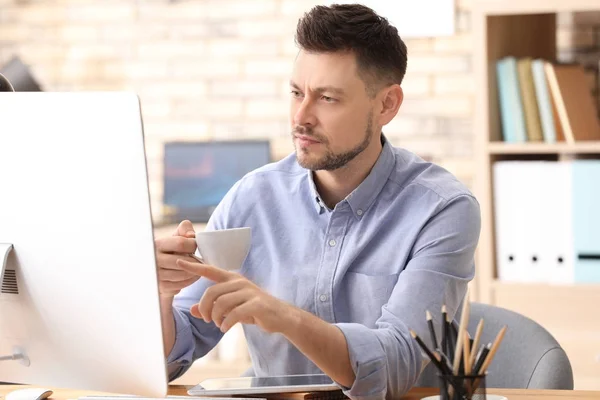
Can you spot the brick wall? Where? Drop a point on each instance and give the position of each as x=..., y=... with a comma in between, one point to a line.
x=219, y=69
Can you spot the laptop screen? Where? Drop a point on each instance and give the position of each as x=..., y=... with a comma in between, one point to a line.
x=197, y=175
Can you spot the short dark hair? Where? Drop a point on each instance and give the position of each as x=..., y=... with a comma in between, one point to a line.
x=381, y=55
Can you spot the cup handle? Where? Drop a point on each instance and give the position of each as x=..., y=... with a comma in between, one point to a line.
x=197, y=258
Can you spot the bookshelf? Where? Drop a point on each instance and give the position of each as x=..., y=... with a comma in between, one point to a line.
x=527, y=28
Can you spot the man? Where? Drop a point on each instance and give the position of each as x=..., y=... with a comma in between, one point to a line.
x=352, y=239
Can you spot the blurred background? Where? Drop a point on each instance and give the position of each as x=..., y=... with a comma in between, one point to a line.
x=212, y=77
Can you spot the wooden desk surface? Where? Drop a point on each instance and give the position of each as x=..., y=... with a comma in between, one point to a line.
x=414, y=394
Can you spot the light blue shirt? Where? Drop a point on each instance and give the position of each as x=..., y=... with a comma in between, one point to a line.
x=402, y=243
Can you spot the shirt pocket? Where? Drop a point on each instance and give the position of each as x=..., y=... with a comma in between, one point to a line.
x=364, y=296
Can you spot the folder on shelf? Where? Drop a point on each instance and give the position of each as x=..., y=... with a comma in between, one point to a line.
x=511, y=106
x=586, y=220
x=574, y=101
x=534, y=238
x=544, y=102
x=529, y=100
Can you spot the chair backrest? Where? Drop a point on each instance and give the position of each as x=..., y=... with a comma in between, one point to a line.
x=528, y=357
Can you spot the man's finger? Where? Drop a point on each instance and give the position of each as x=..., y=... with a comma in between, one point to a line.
x=176, y=244
x=208, y=271
x=227, y=302
x=169, y=261
x=185, y=229
x=242, y=314
x=213, y=293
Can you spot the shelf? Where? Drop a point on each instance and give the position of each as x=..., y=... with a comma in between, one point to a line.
x=506, y=7
x=591, y=147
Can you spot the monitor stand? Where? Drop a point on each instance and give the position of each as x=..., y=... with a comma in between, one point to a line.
x=18, y=353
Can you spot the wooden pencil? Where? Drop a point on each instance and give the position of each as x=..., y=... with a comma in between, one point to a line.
x=434, y=357
x=467, y=354
x=464, y=322
x=493, y=350
x=434, y=341
x=444, y=345
x=476, y=341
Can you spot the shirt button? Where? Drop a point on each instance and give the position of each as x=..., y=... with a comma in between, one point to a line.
x=359, y=212
x=332, y=242
x=323, y=297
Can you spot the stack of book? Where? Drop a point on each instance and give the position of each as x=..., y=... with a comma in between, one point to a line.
x=543, y=101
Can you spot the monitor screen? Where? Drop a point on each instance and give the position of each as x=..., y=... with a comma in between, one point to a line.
x=197, y=175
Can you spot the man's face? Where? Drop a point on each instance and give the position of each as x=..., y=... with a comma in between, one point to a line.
x=331, y=112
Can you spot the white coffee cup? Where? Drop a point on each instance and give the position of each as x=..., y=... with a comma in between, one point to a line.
x=225, y=248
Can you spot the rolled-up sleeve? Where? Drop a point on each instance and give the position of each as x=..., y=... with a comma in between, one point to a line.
x=386, y=360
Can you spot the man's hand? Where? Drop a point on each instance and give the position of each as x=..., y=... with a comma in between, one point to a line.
x=171, y=278
x=235, y=299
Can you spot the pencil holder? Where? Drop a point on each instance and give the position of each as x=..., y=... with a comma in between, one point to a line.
x=462, y=387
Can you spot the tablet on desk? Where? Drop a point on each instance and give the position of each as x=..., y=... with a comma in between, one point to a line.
x=263, y=385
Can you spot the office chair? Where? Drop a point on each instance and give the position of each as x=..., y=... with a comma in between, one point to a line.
x=528, y=357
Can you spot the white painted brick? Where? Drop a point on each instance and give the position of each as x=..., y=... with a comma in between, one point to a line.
x=156, y=109
x=78, y=33
x=243, y=88
x=14, y=33
x=248, y=129
x=454, y=84
x=462, y=168
x=229, y=109
x=172, y=89
x=418, y=45
x=192, y=130
x=416, y=85
x=403, y=126
x=426, y=147
x=463, y=21
x=455, y=44
x=97, y=51
x=266, y=28
x=238, y=47
x=145, y=70
x=260, y=109
x=105, y=12
x=289, y=47
x=240, y=8
x=281, y=147
x=449, y=106
x=36, y=14
x=171, y=49
x=276, y=67
x=457, y=128
x=207, y=69
x=187, y=30
x=421, y=64
x=128, y=32
x=464, y=4
x=33, y=53
x=176, y=12
x=295, y=8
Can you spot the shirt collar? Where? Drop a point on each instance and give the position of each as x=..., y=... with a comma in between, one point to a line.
x=361, y=198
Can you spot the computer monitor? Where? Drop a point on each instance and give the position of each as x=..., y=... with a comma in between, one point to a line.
x=197, y=175
x=79, y=290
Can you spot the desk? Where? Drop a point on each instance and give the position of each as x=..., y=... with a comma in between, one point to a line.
x=414, y=394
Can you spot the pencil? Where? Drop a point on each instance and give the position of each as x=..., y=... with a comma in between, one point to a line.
x=481, y=355
x=435, y=358
x=476, y=341
x=444, y=331
x=464, y=321
x=493, y=349
x=450, y=340
x=467, y=354
x=431, y=330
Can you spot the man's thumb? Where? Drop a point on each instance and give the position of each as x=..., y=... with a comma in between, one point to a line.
x=185, y=229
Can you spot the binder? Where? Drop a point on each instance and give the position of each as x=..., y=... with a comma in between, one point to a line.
x=533, y=216
x=586, y=220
